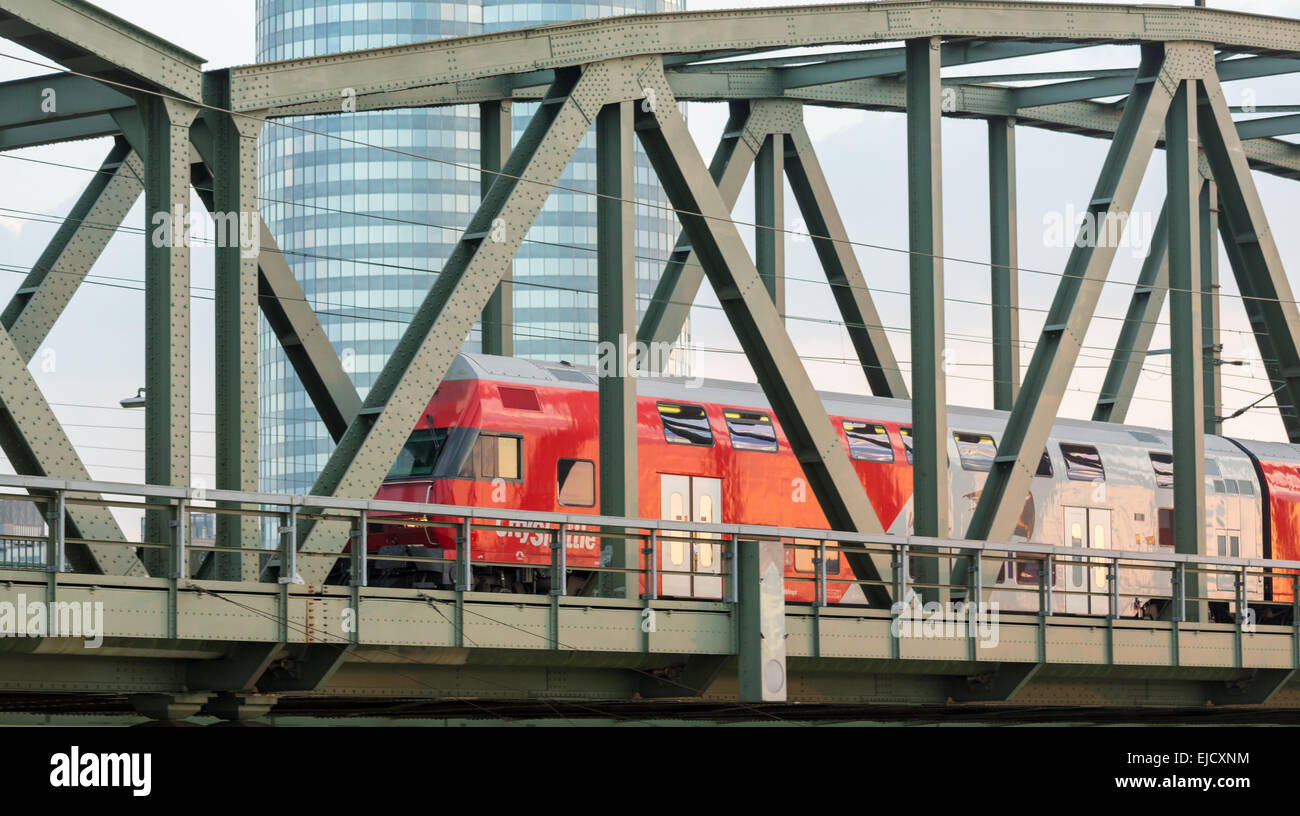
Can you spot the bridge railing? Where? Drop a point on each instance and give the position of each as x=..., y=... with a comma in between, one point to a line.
x=822, y=568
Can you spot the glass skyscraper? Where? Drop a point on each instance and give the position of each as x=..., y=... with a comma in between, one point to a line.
x=367, y=207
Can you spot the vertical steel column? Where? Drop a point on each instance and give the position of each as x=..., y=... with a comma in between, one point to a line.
x=925, y=241
x=1185, y=331
x=1003, y=260
x=1210, y=337
x=497, y=324
x=925, y=220
x=769, y=217
x=167, y=306
x=616, y=313
x=760, y=612
x=235, y=305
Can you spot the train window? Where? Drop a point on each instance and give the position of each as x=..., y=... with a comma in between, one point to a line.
x=1166, y=527
x=419, y=454
x=869, y=442
x=750, y=430
x=905, y=431
x=976, y=451
x=518, y=399
x=1027, y=572
x=575, y=482
x=1229, y=547
x=805, y=555
x=1082, y=462
x=1163, y=465
x=1247, y=489
x=494, y=456
x=685, y=424
x=1232, y=486
x=1044, y=465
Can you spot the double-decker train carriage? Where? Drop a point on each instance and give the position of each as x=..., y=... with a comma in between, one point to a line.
x=508, y=433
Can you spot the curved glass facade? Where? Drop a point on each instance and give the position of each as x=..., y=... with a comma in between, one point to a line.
x=367, y=206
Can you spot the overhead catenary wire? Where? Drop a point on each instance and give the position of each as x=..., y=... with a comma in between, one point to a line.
x=551, y=185
x=404, y=315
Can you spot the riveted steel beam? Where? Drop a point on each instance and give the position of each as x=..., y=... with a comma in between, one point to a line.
x=1076, y=298
x=59, y=271
x=1253, y=305
x=308, y=349
x=746, y=130
x=287, y=310
x=497, y=326
x=1108, y=86
x=82, y=37
x=925, y=264
x=892, y=61
x=616, y=318
x=238, y=228
x=65, y=130
x=401, y=392
x=753, y=317
x=1182, y=204
x=1255, y=248
x=167, y=159
x=36, y=445
x=834, y=249
x=1004, y=273
x=680, y=280
x=1269, y=126
x=56, y=98
x=1212, y=375
x=769, y=217
x=469, y=58
x=724, y=82
x=1126, y=362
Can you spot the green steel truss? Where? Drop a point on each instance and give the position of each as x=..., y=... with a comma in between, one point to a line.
x=177, y=126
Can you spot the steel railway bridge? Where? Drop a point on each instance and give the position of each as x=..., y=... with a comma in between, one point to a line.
x=235, y=631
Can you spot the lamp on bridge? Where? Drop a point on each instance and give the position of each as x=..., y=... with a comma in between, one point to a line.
x=134, y=402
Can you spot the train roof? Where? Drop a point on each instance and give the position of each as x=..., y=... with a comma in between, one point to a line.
x=519, y=371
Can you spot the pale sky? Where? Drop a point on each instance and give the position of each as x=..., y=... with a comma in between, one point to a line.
x=94, y=356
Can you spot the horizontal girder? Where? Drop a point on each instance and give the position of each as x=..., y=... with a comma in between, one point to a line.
x=326, y=78
x=84, y=38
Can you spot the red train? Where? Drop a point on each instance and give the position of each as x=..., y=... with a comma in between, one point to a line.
x=510, y=433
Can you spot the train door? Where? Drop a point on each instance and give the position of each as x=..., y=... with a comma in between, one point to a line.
x=707, y=501
x=1075, y=583
x=675, y=505
x=1085, y=586
x=1099, y=539
x=690, y=498
x=1228, y=545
